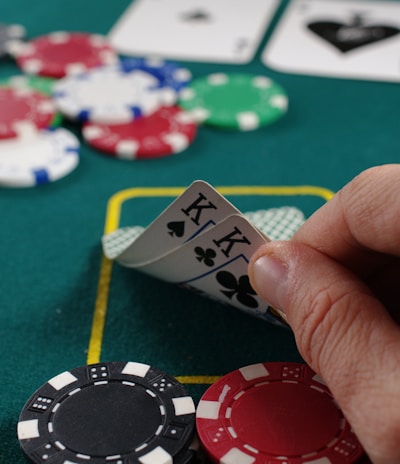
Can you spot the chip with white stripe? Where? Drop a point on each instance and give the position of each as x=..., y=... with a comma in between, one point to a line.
x=24, y=112
x=234, y=101
x=112, y=412
x=111, y=95
x=274, y=413
x=167, y=131
x=43, y=157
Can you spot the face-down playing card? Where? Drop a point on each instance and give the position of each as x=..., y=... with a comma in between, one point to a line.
x=350, y=39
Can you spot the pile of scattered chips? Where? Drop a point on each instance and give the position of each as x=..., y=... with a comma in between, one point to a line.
x=129, y=108
x=135, y=108
x=117, y=412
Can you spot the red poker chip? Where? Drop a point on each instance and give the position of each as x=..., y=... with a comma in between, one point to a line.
x=24, y=111
x=61, y=53
x=167, y=131
x=274, y=413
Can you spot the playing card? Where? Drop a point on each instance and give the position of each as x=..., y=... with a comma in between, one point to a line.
x=339, y=38
x=199, y=207
x=226, y=31
x=277, y=223
x=214, y=258
x=215, y=263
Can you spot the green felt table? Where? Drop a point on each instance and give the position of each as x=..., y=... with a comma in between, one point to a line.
x=63, y=305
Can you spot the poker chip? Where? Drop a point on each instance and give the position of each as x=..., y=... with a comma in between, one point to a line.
x=234, y=101
x=8, y=34
x=39, y=83
x=45, y=157
x=274, y=412
x=111, y=412
x=111, y=95
x=167, y=131
x=62, y=53
x=168, y=73
x=24, y=111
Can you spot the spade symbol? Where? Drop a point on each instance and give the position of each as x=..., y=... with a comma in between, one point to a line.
x=347, y=37
x=196, y=16
x=176, y=228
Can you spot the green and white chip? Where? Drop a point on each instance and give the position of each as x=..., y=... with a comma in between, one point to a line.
x=39, y=83
x=234, y=101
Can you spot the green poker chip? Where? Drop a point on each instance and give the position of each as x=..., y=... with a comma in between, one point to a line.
x=234, y=101
x=43, y=85
x=40, y=84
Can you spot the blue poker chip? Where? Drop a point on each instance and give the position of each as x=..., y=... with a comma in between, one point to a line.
x=44, y=157
x=114, y=94
x=169, y=74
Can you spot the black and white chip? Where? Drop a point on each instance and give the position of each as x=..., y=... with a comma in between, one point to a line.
x=111, y=413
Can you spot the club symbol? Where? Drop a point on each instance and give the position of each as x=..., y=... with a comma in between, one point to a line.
x=206, y=255
x=240, y=288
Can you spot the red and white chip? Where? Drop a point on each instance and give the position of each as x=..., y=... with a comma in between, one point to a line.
x=23, y=112
x=61, y=53
x=274, y=413
x=167, y=131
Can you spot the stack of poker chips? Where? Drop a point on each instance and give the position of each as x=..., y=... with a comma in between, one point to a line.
x=127, y=107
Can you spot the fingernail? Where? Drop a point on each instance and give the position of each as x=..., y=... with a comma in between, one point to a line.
x=270, y=276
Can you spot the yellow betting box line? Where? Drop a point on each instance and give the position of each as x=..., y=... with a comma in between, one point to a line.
x=113, y=215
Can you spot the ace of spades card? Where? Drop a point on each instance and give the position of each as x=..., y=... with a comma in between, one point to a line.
x=222, y=31
x=338, y=38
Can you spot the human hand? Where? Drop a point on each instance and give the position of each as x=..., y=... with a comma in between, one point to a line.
x=338, y=283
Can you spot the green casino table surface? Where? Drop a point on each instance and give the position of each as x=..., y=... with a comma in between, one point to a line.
x=62, y=305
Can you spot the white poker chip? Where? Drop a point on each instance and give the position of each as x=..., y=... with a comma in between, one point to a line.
x=10, y=34
x=45, y=157
x=111, y=95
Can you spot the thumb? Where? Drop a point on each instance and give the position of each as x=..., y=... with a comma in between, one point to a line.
x=343, y=332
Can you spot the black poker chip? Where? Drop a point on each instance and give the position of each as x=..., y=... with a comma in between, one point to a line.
x=109, y=413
